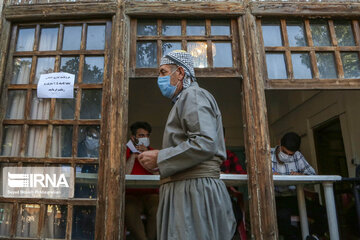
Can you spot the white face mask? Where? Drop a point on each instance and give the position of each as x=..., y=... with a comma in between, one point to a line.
x=91, y=143
x=144, y=141
x=285, y=157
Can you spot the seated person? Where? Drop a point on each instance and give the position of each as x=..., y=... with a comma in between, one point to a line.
x=232, y=165
x=287, y=160
x=140, y=201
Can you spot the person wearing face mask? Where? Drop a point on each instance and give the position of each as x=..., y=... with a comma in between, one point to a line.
x=193, y=201
x=89, y=147
x=287, y=160
x=139, y=202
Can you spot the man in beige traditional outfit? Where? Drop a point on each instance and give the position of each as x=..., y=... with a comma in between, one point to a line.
x=194, y=203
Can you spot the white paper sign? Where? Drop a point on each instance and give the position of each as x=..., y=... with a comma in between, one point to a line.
x=56, y=85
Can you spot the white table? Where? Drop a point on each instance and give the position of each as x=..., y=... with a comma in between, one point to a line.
x=145, y=181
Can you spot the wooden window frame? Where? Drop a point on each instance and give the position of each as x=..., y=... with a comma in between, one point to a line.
x=210, y=71
x=50, y=123
x=315, y=81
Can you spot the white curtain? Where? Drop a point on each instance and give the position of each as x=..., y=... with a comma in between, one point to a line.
x=22, y=68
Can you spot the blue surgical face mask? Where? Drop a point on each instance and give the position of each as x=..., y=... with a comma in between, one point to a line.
x=165, y=86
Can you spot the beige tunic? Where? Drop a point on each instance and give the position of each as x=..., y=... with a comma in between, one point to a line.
x=195, y=208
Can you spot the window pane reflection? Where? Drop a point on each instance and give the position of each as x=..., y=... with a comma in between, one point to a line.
x=16, y=104
x=89, y=140
x=25, y=41
x=55, y=221
x=146, y=28
x=326, y=65
x=70, y=65
x=36, y=143
x=220, y=27
x=44, y=65
x=199, y=52
x=195, y=27
x=95, y=38
x=86, y=181
x=222, y=54
x=170, y=46
x=72, y=38
x=276, y=68
x=48, y=39
x=28, y=220
x=146, y=54
x=11, y=141
x=61, y=145
x=83, y=222
x=296, y=33
x=90, y=104
x=5, y=219
x=93, y=70
x=21, y=70
x=351, y=65
x=40, y=107
x=344, y=34
x=271, y=32
x=301, y=65
x=171, y=28
x=320, y=33
x=65, y=107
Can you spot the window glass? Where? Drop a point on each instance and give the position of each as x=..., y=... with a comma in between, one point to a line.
x=351, y=64
x=195, y=28
x=271, y=32
x=26, y=38
x=61, y=145
x=40, y=107
x=48, y=39
x=222, y=54
x=36, y=142
x=220, y=27
x=16, y=104
x=44, y=65
x=28, y=220
x=146, y=28
x=199, y=52
x=146, y=55
x=70, y=65
x=11, y=141
x=5, y=219
x=83, y=222
x=170, y=46
x=296, y=33
x=320, y=33
x=276, y=68
x=86, y=181
x=88, y=141
x=326, y=65
x=344, y=33
x=95, y=38
x=21, y=70
x=72, y=38
x=93, y=70
x=301, y=65
x=171, y=28
x=90, y=104
x=65, y=107
x=55, y=222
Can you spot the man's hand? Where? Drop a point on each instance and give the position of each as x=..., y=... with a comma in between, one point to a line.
x=296, y=173
x=148, y=159
x=141, y=148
